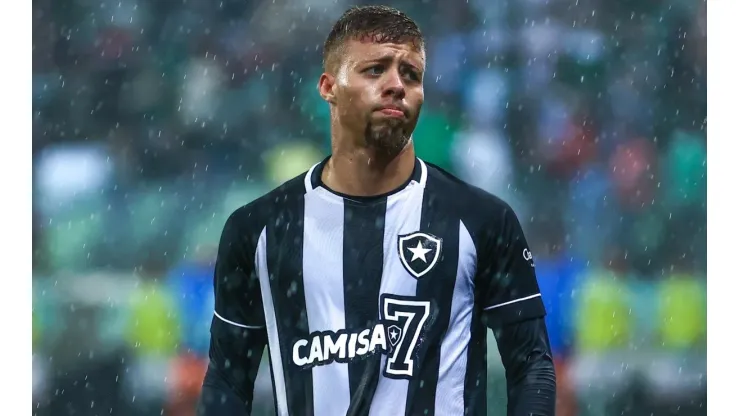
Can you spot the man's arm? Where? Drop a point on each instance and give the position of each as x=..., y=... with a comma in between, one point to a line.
x=514, y=310
x=530, y=372
x=238, y=335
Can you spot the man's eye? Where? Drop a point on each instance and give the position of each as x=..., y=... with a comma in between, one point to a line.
x=375, y=70
x=413, y=76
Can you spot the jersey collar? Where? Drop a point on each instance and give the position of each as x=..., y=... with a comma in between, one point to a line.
x=312, y=179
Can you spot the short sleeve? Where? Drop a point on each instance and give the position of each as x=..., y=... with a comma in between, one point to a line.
x=506, y=272
x=236, y=284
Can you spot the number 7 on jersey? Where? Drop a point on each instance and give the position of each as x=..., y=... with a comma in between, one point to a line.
x=404, y=319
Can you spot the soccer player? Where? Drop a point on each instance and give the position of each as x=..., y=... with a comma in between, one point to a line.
x=373, y=277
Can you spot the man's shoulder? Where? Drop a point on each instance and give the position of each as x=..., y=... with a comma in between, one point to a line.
x=258, y=212
x=465, y=196
x=484, y=215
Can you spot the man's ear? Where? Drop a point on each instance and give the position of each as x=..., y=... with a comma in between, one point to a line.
x=326, y=87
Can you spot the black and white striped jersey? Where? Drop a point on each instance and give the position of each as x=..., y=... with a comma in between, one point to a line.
x=369, y=306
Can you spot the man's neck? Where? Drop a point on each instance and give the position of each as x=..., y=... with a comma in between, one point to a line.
x=361, y=171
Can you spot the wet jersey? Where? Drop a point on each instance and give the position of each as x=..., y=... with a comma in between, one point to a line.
x=373, y=305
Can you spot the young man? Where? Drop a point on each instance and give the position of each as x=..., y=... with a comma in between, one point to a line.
x=373, y=276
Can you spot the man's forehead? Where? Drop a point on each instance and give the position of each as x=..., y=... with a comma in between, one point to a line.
x=369, y=49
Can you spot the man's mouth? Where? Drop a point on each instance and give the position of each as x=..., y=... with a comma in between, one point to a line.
x=393, y=112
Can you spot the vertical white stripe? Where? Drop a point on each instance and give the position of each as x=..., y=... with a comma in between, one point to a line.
x=307, y=179
x=449, y=399
x=273, y=338
x=403, y=216
x=423, y=178
x=323, y=284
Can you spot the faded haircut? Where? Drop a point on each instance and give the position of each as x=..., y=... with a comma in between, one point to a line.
x=382, y=24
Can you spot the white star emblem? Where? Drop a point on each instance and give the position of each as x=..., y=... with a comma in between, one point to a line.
x=425, y=243
x=394, y=335
x=419, y=252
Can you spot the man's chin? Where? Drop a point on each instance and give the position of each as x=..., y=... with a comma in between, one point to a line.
x=391, y=142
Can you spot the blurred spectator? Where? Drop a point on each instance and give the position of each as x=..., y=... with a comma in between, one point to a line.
x=154, y=334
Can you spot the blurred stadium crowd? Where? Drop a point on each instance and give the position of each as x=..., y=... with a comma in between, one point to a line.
x=153, y=120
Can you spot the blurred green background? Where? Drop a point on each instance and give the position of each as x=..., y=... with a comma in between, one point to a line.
x=153, y=120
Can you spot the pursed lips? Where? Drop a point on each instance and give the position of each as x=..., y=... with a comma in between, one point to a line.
x=392, y=110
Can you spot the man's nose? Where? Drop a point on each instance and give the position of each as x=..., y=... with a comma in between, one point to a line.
x=393, y=85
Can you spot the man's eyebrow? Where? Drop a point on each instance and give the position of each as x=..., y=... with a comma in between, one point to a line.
x=386, y=59
x=381, y=59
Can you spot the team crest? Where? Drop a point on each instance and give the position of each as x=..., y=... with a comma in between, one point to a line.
x=419, y=252
x=394, y=334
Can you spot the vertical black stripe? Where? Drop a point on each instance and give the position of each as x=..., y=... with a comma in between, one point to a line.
x=476, y=383
x=475, y=395
x=272, y=379
x=285, y=264
x=364, y=226
x=437, y=285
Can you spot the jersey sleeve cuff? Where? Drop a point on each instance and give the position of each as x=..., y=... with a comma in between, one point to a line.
x=516, y=310
x=220, y=325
